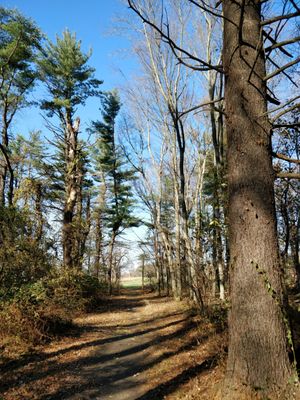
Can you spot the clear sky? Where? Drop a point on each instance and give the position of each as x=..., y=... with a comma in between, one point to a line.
x=93, y=21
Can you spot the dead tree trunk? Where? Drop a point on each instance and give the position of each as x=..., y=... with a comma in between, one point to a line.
x=71, y=190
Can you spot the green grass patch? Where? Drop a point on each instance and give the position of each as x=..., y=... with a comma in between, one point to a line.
x=133, y=282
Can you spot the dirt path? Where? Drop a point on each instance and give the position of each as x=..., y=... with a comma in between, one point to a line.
x=137, y=347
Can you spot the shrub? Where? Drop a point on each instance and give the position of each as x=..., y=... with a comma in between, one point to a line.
x=22, y=259
x=40, y=310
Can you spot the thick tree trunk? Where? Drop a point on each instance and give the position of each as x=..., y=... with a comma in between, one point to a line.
x=3, y=174
x=143, y=273
x=171, y=264
x=217, y=139
x=217, y=243
x=295, y=240
x=158, y=265
x=5, y=168
x=258, y=358
x=78, y=228
x=85, y=230
x=177, y=261
x=110, y=261
x=71, y=190
x=38, y=211
x=3, y=154
x=98, y=243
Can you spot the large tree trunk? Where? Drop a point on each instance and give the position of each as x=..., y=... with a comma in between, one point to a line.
x=158, y=266
x=110, y=261
x=71, y=190
x=258, y=358
x=295, y=229
x=5, y=167
x=177, y=261
x=98, y=243
x=38, y=212
x=85, y=230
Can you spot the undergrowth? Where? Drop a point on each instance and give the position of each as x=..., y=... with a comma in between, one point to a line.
x=36, y=312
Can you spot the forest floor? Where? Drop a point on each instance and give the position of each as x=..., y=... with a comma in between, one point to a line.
x=136, y=346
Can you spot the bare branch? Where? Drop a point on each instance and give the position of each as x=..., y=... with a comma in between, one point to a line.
x=283, y=112
x=282, y=106
x=288, y=175
x=166, y=37
x=182, y=113
x=280, y=18
x=208, y=9
x=284, y=73
x=279, y=70
x=295, y=5
x=281, y=44
x=291, y=125
x=286, y=158
x=273, y=41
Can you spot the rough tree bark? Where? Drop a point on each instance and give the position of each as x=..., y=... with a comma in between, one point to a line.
x=258, y=358
x=5, y=167
x=38, y=211
x=110, y=261
x=98, y=243
x=71, y=189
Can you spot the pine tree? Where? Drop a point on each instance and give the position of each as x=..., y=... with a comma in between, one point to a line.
x=30, y=182
x=19, y=41
x=69, y=81
x=119, y=200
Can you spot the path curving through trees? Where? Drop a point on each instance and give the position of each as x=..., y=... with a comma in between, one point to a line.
x=135, y=347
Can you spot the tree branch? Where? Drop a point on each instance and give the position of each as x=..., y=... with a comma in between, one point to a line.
x=293, y=107
x=284, y=73
x=286, y=158
x=288, y=175
x=279, y=70
x=291, y=125
x=182, y=113
x=281, y=44
x=206, y=8
x=279, y=18
x=273, y=41
x=174, y=47
x=295, y=5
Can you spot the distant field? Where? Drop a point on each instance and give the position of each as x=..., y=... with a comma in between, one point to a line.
x=132, y=282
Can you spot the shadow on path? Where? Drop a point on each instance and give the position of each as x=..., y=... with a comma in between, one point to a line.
x=114, y=367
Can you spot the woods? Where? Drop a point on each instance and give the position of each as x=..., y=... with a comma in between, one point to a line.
x=196, y=158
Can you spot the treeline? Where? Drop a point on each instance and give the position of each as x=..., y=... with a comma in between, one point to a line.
x=178, y=145
x=64, y=199
x=217, y=148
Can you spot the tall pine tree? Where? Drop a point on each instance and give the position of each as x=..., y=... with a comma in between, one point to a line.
x=70, y=82
x=19, y=41
x=117, y=176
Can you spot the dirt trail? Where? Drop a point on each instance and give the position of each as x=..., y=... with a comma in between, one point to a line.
x=137, y=347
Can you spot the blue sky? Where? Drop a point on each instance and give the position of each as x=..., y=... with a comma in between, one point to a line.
x=93, y=22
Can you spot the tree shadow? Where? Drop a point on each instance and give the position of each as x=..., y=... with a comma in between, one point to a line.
x=53, y=367
x=76, y=332
x=111, y=366
x=127, y=300
x=166, y=388
x=122, y=377
x=294, y=317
